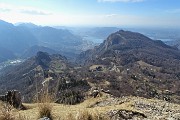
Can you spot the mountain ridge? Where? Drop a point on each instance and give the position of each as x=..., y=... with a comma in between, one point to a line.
x=22, y=37
x=137, y=65
x=136, y=41
x=121, y=65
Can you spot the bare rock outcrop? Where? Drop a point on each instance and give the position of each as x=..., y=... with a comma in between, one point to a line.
x=13, y=97
x=125, y=115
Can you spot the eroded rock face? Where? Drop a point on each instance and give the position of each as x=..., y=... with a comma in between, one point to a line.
x=125, y=115
x=13, y=97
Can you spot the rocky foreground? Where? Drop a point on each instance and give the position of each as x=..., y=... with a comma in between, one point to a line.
x=141, y=108
x=111, y=108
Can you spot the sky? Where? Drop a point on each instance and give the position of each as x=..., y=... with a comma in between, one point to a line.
x=150, y=13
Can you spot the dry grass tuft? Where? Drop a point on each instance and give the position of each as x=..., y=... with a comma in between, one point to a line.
x=45, y=106
x=45, y=110
x=6, y=112
x=85, y=115
x=22, y=117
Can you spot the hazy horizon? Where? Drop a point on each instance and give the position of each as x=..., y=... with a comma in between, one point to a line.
x=115, y=13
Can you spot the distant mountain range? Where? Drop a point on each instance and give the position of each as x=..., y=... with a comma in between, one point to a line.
x=15, y=39
x=174, y=43
x=68, y=41
x=96, y=32
x=22, y=37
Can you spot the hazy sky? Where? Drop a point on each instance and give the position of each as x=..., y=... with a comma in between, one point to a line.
x=93, y=12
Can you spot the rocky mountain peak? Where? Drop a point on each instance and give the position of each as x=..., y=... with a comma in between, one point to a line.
x=127, y=38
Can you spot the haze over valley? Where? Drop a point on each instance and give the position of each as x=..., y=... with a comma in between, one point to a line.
x=89, y=60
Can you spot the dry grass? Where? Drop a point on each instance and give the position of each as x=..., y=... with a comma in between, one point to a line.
x=22, y=117
x=81, y=111
x=6, y=112
x=45, y=106
x=86, y=115
x=73, y=112
x=45, y=110
x=44, y=101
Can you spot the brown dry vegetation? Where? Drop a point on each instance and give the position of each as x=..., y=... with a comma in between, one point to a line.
x=96, y=109
x=45, y=107
x=7, y=112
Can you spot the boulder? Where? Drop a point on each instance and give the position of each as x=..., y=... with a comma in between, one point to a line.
x=94, y=92
x=45, y=118
x=13, y=97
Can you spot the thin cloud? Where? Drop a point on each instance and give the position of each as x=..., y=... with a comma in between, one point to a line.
x=22, y=10
x=33, y=12
x=5, y=7
x=5, y=10
x=111, y=15
x=121, y=0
